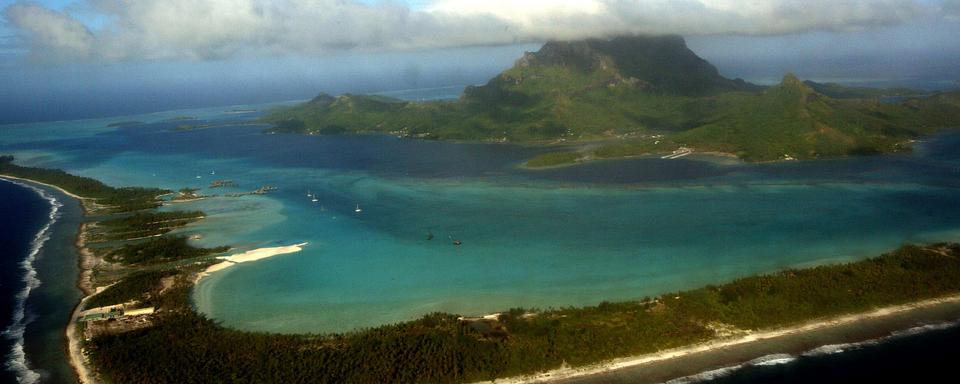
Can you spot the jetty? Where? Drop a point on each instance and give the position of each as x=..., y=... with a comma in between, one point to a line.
x=222, y=184
x=264, y=190
x=260, y=191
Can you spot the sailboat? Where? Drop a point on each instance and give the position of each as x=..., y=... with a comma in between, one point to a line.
x=358, y=210
x=314, y=200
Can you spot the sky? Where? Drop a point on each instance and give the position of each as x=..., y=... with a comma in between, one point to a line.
x=80, y=58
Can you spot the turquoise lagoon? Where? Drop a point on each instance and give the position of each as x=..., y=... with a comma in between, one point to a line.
x=537, y=239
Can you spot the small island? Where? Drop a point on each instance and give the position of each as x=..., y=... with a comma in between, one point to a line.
x=641, y=95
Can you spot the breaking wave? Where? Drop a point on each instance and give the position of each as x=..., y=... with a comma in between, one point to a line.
x=18, y=359
x=825, y=350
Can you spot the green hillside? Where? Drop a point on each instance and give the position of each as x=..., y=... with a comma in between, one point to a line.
x=793, y=120
x=639, y=95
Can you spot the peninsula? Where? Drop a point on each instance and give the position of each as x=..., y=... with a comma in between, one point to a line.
x=156, y=335
x=641, y=95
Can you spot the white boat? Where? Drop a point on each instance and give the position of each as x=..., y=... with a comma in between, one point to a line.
x=358, y=210
x=314, y=200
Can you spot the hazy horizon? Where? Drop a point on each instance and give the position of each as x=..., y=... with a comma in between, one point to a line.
x=70, y=59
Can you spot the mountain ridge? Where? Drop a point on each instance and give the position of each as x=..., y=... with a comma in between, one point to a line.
x=636, y=95
x=661, y=64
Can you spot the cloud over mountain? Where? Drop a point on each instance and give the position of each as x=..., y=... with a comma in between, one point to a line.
x=118, y=30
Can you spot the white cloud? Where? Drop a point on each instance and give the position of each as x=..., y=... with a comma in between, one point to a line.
x=51, y=33
x=213, y=29
x=687, y=17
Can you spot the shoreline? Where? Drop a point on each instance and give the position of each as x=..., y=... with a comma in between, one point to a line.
x=84, y=201
x=707, y=156
x=86, y=373
x=619, y=365
x=65, y=192
x=72, y=349
x=85, y=262
x=248, y=256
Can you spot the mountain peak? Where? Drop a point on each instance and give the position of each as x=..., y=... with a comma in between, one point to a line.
x=322, y=99
x=578, y=55
x=660, y=64
x=791, y=80
x=793, y=84
x=587, y=54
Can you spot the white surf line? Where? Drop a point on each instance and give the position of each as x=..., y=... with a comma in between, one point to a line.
x=719, y=343
x=824, y=350
x=18, y=359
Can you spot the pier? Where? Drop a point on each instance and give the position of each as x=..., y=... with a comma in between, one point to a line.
x=260, y=191
x=222, y=184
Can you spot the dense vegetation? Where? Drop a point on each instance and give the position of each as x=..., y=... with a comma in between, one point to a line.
x=143, y=286
x=115, y=199
x=550, y=159
x=641, y=95
x=187, y=348
x=159, y=249
x=146, y=224
x=141, y=224
x=838, y=91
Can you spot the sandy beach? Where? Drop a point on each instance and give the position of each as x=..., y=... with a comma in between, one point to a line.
x=85, y=373
x=85, y=202
x=46, y=185
x=86, y=262
x=249, y=256
x=655, y=367
x=708, y=354
x=79, y=362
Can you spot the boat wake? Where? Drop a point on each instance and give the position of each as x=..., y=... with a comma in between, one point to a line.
x=18, y=363
x=825, y=350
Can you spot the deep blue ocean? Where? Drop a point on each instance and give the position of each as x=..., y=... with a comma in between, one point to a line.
x=38, y=272
x=24, y=213
x=926, y=357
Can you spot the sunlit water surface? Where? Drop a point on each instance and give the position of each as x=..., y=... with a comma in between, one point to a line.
x=571, y=236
